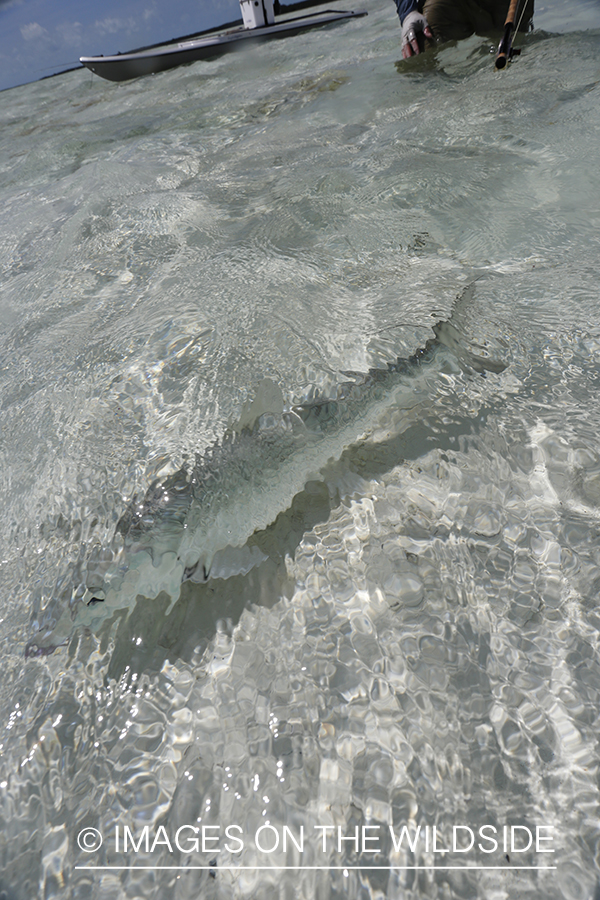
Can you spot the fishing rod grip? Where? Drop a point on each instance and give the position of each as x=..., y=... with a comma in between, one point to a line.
x=503, y=53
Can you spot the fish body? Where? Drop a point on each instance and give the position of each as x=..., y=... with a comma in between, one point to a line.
x=184, y=524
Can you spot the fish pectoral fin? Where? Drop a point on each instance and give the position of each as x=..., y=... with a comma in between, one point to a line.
x=268, y=400
x=226, y=563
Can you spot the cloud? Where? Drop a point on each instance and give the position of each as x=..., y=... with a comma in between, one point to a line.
x=33, y=32
x=71, y=33
x=113, y=25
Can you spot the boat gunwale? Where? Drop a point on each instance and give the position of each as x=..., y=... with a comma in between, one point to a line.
x=224, y=38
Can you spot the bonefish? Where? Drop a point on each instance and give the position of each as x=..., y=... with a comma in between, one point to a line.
x=183, y=525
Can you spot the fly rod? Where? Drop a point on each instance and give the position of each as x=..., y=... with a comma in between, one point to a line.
x=505, y=48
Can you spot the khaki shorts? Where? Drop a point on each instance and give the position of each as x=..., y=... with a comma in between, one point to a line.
x=453, y=20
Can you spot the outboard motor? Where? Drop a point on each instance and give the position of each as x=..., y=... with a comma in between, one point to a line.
x=257, y=13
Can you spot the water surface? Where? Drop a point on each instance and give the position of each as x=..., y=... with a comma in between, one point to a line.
x=404, y=630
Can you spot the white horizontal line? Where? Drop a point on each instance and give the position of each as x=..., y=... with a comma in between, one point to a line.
x=216, y=867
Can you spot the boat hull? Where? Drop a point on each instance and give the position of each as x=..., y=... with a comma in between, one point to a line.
x=125, y=66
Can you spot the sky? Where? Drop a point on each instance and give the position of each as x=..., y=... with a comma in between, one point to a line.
x=40, y=37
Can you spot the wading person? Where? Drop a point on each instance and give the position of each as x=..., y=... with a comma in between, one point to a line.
x=452, y=20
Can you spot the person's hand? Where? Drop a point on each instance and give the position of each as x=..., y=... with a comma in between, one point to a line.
x=415, y=29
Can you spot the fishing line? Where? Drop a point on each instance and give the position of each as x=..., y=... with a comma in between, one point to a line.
x=521, y=16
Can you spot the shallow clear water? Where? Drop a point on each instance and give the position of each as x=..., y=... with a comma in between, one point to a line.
x=392, y=620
